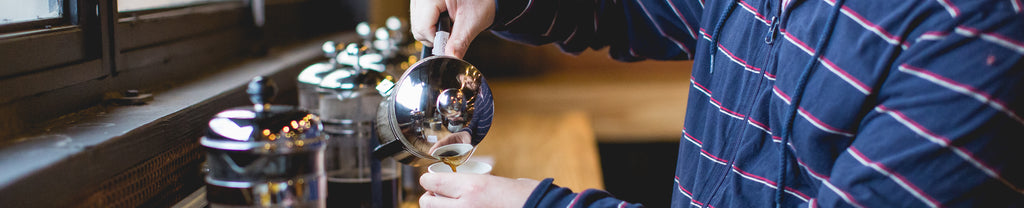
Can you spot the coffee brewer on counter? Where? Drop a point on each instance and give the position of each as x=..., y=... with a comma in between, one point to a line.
x=310, y=77
x=395, y=44
x=372, y=121
x=348, y=102
x=265, y=155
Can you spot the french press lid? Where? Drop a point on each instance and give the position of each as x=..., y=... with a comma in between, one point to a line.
x=314, y=74
x=263, y=127
x=360, y=72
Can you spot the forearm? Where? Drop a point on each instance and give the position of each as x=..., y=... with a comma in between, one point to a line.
x=549, y=195
x=633, y=30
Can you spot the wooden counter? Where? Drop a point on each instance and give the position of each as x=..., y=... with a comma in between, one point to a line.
x=626, y=102
x=528, y=145
x=538, y=146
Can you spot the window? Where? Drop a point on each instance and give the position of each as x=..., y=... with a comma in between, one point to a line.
x=18, y=11
x=139, y=5
x=58, y=57
x=50, y=48
x=35, y=14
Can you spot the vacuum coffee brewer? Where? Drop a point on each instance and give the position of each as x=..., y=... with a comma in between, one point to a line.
x=265, y=155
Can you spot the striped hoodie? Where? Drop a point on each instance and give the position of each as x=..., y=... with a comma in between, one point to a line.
x=807, y=103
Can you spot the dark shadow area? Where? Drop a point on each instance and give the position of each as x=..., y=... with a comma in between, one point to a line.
x=639, y=172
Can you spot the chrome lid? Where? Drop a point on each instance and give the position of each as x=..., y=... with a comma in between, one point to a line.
x=355, y=80
x=315, y=73
x=263, y=127
x=361, y=71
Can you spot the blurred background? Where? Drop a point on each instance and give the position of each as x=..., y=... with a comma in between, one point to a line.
x=64, y=61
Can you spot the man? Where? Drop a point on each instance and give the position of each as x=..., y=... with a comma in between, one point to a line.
x=793, y=102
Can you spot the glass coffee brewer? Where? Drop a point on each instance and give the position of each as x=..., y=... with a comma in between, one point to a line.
x=348, y=100
x=264, y=155
x=310, y=77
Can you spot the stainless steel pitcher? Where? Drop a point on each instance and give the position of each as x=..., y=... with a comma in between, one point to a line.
x=440, y=100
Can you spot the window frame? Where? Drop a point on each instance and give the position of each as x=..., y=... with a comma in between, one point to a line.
x=34, y=25
x=36, y=45
x=56, y=74
x=141, y=49
x=68, y=17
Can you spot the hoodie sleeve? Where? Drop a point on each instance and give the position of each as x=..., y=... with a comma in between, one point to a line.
x=549, y=195
x=634, y=30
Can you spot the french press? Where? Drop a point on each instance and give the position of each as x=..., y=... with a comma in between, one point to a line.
x=348, y=102
x=310, y=77
x=264, y=155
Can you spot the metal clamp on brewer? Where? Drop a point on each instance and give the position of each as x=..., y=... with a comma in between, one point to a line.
x=265, y=155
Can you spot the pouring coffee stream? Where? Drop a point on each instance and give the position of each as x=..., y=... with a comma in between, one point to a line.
x=439, y=110
x=453, y=155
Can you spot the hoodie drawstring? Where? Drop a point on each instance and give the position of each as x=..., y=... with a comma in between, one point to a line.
x=713, y=48
x=801, y=85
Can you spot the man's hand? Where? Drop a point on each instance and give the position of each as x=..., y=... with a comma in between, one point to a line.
x=470, y=17
x=472, y=190
x=460, y=137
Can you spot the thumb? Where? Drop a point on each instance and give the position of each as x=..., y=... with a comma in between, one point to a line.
x=429, y=200
x=449, y=185
x=468, y=24
x=423, y=20
x=459, y=41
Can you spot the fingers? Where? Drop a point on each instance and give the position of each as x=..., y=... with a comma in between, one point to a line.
x=439, y=184
x=472, y=190
x=451, y=185
x=471, y=18
x=468, y=24
x=429, y=200
x=423, y=19
x=459, y=42
x=433, y=148
x=461, y=137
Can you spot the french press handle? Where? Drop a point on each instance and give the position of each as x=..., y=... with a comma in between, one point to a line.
x=444, y=29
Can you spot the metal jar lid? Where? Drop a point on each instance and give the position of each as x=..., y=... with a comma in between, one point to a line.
x=263, y=127
x=354, y=79
x=360, y=72
x=314, y=74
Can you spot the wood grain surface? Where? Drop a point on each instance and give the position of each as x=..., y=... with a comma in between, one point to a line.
x=627, y=102
x=538, y=146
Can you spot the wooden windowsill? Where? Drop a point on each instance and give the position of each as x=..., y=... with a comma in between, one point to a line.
x=73, y=160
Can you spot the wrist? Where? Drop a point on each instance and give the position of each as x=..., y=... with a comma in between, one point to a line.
x=539, y=192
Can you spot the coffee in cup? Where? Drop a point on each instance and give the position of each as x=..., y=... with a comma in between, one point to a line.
x=474, y=167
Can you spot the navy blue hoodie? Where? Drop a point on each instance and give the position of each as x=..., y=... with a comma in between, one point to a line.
x=912, y=103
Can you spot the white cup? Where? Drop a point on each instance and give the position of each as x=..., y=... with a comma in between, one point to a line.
x=472, y=166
